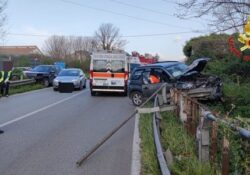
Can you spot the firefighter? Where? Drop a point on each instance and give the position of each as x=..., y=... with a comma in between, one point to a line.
x=5, y=82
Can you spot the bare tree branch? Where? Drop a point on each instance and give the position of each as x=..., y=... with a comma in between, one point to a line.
x=108, y=37
x=225, y=14
x=3, y=17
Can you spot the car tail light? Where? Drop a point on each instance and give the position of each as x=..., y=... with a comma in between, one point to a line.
x=126, y=78
x=91, y=77
x=90, y=74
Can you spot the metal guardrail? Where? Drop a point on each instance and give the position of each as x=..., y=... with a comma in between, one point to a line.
x=21, y=82
x=160, y=155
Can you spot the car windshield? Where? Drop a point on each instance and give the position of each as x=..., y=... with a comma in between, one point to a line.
x=106, y=65
x=69, y=73
x=41, y=68
x=177, y=69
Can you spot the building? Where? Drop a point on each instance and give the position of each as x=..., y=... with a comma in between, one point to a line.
x=19, y=50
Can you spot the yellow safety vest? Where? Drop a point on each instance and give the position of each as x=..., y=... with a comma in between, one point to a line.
x=2, y=76
x=8, y=77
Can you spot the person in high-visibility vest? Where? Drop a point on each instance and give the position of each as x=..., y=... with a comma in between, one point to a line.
x=154, y=79
x=4, y=81
x=1, y=83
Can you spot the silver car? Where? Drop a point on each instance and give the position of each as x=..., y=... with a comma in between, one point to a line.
x=70, y=77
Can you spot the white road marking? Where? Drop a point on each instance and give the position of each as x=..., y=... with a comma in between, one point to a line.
x=136, y=157
x=39, y=110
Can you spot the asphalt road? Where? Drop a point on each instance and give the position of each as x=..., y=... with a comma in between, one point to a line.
x=46, y=132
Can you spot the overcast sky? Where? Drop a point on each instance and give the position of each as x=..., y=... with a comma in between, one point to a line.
x=83, y=17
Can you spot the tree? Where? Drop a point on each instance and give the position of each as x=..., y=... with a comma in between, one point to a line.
x=226, y=14
x=108, y=37
x=65, y=47
x=57, y=47
x=3, y=4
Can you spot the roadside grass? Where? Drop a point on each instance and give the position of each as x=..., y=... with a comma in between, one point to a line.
x=25, y=88
x=149, y=163
x=176, y=139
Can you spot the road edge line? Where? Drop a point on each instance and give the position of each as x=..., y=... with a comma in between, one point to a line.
x=136, y=156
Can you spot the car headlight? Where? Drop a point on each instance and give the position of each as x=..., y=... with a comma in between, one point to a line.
x=55, y=82
x=74, y=80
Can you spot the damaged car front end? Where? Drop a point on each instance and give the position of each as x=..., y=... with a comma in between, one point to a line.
x=198, y=85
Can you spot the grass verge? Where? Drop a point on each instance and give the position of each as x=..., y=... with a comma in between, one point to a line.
x=182, y=146
x=149, y=163
x=25, y=88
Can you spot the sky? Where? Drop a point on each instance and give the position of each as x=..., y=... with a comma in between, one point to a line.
x=83, y=17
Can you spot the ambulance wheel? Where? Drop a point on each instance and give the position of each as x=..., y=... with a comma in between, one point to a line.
x=93, y=93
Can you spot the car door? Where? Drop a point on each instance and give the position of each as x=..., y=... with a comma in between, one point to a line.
x=148, y=88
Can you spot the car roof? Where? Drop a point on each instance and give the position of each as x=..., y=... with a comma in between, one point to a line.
x=72, y=69
x=161, y=64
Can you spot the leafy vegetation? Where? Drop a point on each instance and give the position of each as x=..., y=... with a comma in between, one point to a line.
x=182, y=146
x=25, y=88
x=148, y=151
x=235, y=74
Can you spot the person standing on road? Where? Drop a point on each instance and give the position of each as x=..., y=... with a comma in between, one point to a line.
x=1, y=83
x=4, y=81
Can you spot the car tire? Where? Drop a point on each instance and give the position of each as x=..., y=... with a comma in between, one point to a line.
x=93, y=93
x=84, y=86
x=80, y=87
x=55, y=89
x=124, y=94
x=137, y=98
x=46, y=82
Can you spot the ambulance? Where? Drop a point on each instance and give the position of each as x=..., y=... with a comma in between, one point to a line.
x=108, y=72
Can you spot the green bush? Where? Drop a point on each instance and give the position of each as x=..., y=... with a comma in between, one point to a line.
x=182, y=145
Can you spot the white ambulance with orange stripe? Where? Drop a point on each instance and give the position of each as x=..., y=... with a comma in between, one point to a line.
x=108, y=72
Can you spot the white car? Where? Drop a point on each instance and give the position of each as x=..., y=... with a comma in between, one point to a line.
x=70, y=77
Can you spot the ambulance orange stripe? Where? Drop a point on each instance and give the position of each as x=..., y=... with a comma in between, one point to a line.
x=108, y=75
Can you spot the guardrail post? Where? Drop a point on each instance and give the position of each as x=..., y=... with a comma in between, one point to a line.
x=203, y=140
x=189, y=116
x=213, y=141
x=164, y=94
x=225, y=157
x=160, y=99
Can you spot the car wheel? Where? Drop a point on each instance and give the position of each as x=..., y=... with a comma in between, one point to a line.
x=55, y=89
x=84, y=86
x=46, y=82
x=93, y=93
x=137, y=98
x=81, y=86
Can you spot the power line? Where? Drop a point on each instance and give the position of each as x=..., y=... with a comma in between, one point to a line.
x=169, y=1
x=123, y=36
x=141, y=8
x=121, y=14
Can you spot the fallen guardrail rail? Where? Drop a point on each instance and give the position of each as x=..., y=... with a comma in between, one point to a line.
x=21, y=82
